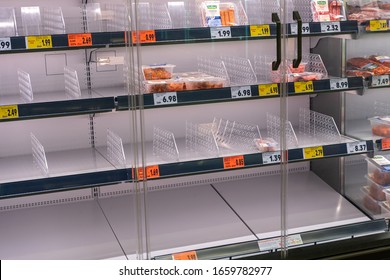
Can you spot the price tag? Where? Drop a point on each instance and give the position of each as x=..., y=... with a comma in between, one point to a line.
x=338, y=84
x=302, y=87
x=5, y=44
x=378, y=25
x=145, y=36
x=385, y=144
x=380, y=81
x=9, y=112
x=260, y=30
x=276, y=243
x=151, y=172
x=80, y=40
x=305, y=28
x=268, y=90
x=271, y=157
x=233, y=162
x=330, y=27
x=221, y=32
x=357, y=147
x=313, y=152
x=241, y=92
x=39, y=42
x=165, y=98
x=186, y=256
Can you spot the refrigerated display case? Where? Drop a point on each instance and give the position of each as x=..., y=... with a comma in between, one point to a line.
x=185, y=129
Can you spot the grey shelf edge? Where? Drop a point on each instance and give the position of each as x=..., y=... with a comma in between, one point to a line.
x=308, y=238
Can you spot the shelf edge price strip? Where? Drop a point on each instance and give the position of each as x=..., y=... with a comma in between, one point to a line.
x=313, y=152
x=220, y=32
x=271, y=157
x=380, y=81
x=233, y=162
x=39, y=42
x=303, y=87
x=5, y=44
x=379, y=25
x=339, y=84
x=152, y=172
x=241, y=92
x=268, y=90
x=145, y=36
x=330, y=27
x=80, y=40
x=385, y=144
x=9, y=112
x=263, y=30
x=276, y=243
x=165, y=98
x=186, y=256
x=357, y=147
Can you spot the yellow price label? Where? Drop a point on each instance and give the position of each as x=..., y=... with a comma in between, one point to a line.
x=313, y=152
x=268, y=90
x=39, y=42
x=9, y=112
x=302, y=87
x=378, y=25
x=260, y=30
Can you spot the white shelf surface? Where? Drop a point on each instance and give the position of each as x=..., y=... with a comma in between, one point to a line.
x=47, y=97
x=68, y=231
x=179, y=220
x=62, y=163
x=312, y=204
x=361, y=129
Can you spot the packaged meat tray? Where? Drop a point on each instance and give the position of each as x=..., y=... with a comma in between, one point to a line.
x=204, y=83
x=382, y=59
x=366, y=66
x=217, y=13
x=328, y=10
x=158, y=71
x=159, y=86
x=365, y=10
x=380, y=126
x=371, y=204
x=378, y=170
x=266, y=145
x=376, y=190
x=298, y=77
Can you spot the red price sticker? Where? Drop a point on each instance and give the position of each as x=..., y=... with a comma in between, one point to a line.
x=145, y=36
x=186, y=256
x=152, y=172
x=386, y=144
x=80, y=40
x=233, y=162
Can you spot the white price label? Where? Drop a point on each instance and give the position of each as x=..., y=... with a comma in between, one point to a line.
x=276, y=243
x=165, y=98
x=305, y=28
x=330, y=27
x=380, y=81
x=220, y=32
x=271, y=157
x=357, y=147
x=337, y=84
x=241, y=92
x=5, y=44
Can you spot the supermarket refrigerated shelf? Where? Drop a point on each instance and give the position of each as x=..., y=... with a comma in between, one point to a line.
x=326, y=28
x=236, y=93
x=191, y=163
x=361, y=129
x=70, y=169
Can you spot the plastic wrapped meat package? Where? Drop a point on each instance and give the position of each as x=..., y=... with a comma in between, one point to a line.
x=380, y=126
x=328, y=10
x=366, y=67
x=365, y=10
x=298, y=74
x=217, y=13
x=266, y=145
x=157, y=71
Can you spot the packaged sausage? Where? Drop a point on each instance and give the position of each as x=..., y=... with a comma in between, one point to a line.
x=320, y=10
x=217, y=13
